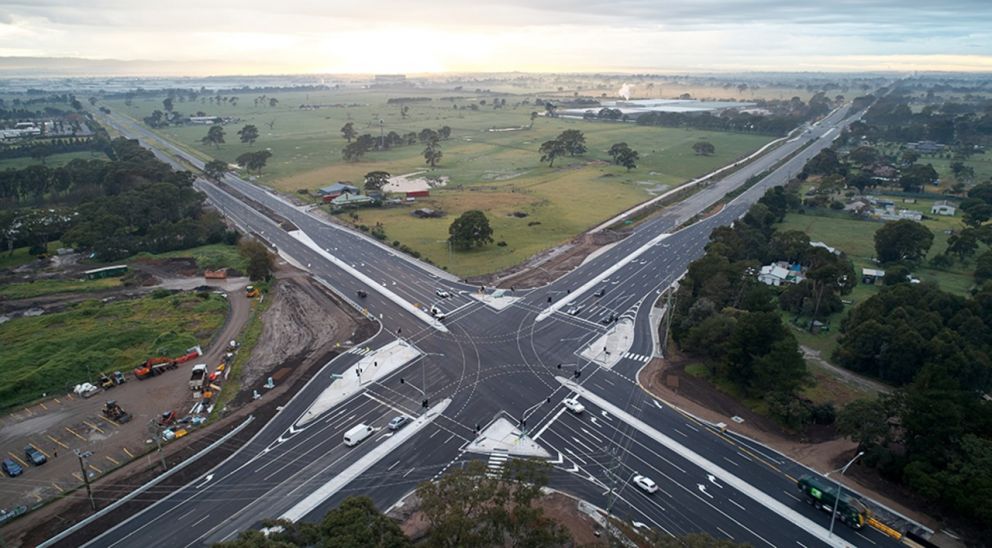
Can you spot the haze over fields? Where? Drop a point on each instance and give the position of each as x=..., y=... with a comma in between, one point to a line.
x=110, y=37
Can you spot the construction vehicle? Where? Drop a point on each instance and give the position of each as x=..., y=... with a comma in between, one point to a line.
x=106, y=382
x=167, y=418
x=822, y=494
x=154, y=367
x=114, y=412
x=251, y=292
x=119, y=378
x=191, y=354
x=197, y=376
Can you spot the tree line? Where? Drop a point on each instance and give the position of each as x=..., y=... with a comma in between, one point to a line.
x=784, y=116
x=116, y=208
x=359, y=145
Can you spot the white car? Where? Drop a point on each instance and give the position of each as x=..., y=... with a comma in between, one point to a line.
x=437, y=313
x=442, y=293
x=573, y=310
x=645, y=483
x=573, y=405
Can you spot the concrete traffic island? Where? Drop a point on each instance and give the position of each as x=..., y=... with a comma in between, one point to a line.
x=501, y=435
x=497, y=300
x=372, y=367
x=611, y=346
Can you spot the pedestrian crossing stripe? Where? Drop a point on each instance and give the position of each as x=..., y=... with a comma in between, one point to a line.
x=361, y=351
x=637, y=357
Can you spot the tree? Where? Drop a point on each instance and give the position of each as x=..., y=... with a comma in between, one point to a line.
x=375, y=180
x=865, y=422
x=470, y=229
x=273, y=102
x=983, y=267
x=432, y=153
x=533, y=116
x=215, y=169
x=469, y=507
x=550, y=150
x=167, y=104
x=215, y=136
x=703, y=148
x=353, y=152
x=616, y=150
x=248, y=134
x=863, y=155
x=916, y=177
x=574, y=141
x=260, y=261
x=824, y=163
x=444, y=132
x=254, y=161
x=355, y=523
x=348, y=131
x=902, y=240
x=427, y=135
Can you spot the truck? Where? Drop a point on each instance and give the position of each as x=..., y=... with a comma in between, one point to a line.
x=822, y=494
x=153, y=367
x=197, y=375
x=358, y=433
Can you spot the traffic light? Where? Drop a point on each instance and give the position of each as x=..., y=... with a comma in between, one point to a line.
x=424, y=404
x=578, y=373
x=402, y=380
x=478, y=428
x=559, y=366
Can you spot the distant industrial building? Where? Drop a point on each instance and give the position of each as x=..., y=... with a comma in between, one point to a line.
x=636, y=107
x=390, y=80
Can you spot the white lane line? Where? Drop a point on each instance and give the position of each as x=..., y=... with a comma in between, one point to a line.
x=723, y=475
x=734, y=502
x=681, y=432
x=547, y=424
x=725, y=533
x=864, y=537
x=393, y=465
x=349, y=474
x=730, y=461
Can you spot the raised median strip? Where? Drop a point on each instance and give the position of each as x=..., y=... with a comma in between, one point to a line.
x=326, y=491
x=723, y=475
x=357, y=274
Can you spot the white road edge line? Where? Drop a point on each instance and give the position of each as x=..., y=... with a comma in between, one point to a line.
x=726, y=477
x=349, y=474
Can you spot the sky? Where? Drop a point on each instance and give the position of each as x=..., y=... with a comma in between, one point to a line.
x=409, y=36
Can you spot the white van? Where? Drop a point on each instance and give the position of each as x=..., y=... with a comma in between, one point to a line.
x=437, y=313
x=354, y=436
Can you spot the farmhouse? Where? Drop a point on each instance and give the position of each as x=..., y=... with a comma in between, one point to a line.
x=347, y=199
x=943, y=207
x=330, y=192
x=871, y=275
x=779, y=273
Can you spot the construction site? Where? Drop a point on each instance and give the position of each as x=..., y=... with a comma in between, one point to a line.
x=133, y=422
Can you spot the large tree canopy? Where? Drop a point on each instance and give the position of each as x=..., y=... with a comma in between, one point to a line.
x=470, y=229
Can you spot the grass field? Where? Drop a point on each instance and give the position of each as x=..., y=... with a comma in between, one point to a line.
x=55, y=160
x=38, y=288
x=496, y=171
x=20, y=255
x=52, y=352
x=210, y=257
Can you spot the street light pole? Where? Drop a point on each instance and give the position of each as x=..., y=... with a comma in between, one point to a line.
x=833, y=510
x=86, y=478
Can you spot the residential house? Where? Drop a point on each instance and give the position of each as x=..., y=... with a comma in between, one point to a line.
x=871, y=275
x=330, y=192
x=346, y=199
x=943, y=207
x=780, y=273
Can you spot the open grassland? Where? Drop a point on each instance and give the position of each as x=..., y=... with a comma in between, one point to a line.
x=54, y=160
x=52, y=352
x=38, y=288
x=20, y=256
x=498, y=172
x=210, y=257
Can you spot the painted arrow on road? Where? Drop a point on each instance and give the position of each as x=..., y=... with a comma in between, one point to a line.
x=658, y=405
x=702, y=488
x=206, y=480
x=606, y=416
x=713, y=480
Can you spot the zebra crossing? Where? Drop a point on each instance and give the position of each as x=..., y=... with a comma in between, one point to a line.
x=360, y=350
x=497, y=459
x=637, y=357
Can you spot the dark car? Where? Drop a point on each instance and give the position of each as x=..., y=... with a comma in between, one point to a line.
x=34, y=456
x=11, y=468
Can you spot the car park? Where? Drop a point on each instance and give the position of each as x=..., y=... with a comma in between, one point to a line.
x=11, y=468
x=35, y=456
x=573, y=405
x=442, y=293
x=398, y=422
x=645, y=483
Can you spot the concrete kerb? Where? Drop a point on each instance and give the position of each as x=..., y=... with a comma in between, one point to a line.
x=328, y=490
x=720, y=473
x=690, y=184
x=303, y=238
x=155, y=481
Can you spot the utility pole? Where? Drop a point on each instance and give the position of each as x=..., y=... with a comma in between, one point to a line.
x=156, y=432
x=82, y=455
x=612, y=496
x=669, y=310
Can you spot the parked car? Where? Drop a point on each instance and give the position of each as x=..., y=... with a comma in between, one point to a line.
x=573, y=405
x=442, y=293
x=34, y=456
x=11, y=468
x=398, y=422
x=645, y=483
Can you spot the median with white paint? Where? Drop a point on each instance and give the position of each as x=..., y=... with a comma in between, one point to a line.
x=612, y=346
x=326, y=491
x=373, y=366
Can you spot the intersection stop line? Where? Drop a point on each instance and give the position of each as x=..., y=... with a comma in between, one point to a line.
x=709, y=467
x=574, y=295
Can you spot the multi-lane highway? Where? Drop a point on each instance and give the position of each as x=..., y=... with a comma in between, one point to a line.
x=515, y=361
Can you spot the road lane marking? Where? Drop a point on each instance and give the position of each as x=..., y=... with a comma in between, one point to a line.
x=93, y=426
x=18, y=459
x=128, y=453
x=734, y=502
x=69, y=430
x=681, y=432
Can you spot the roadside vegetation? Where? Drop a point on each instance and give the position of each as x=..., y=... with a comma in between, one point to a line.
x=38, y=288
x=52, y=352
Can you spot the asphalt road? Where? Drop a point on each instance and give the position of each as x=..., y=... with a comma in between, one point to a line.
x=501, y=363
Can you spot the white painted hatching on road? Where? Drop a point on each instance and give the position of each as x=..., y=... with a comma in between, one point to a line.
x=326, y=491
x=497, y=300
x=374, y=365
x=726, y=477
